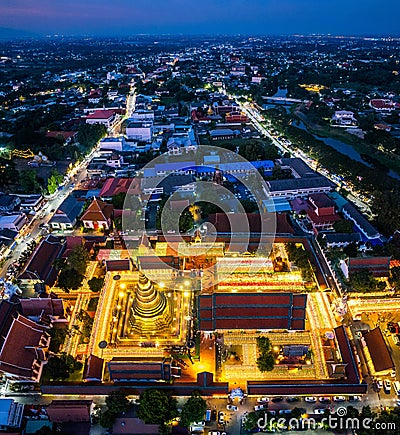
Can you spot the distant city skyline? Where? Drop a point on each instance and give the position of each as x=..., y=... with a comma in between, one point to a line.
x=262, y=17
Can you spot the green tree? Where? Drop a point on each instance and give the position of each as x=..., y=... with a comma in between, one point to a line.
x=118, y=200
x=70, y=279
x=266, y=362
x=266, y=359
x=351, y=250
x=344, y=226
x=96, y=284
x=117, y=402
x=364, y=281
x=157, y=407
x=28, y=181
x=185, y=221
x=60, y=367
x=107, y=419
x=78, y=259
x=54, y=181
x=90, y=134
x=251, y=419
x=193, y=410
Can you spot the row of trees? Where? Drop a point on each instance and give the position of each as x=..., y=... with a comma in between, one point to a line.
x=301, y=259
x=266, y=359
x=374, y=183
x=155, y=407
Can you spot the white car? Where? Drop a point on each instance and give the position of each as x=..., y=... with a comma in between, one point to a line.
x=310, y=399
x=339, y=399
x=262, y=400
x=231, y=407
x=355, y=398
x=387, y=385
x=319, y=411
x=379, y=383
x=259, y=407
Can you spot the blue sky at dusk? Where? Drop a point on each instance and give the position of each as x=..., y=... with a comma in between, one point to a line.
x=124, y=17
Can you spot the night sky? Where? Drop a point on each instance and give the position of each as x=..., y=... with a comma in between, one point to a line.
x=277, y=17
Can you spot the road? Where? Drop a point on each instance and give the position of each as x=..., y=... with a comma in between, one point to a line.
x=256, y=119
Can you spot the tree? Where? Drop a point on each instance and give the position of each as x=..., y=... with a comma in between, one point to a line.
x=118, y=200
x=96, y=284
x=157, y=407
x=251, y=419
x=54, y=181
x=344, y=226
x=90, y=134
x=117, y=402
x=70, y=279
x=185, y=221
x=28, y=181
x=266, y=362
x=107, y=419
x=395, y=277
x=351, y=250
x=60, y=367
x=266, y=359
x=364, y=281
x=78, y=259
x=193, y=410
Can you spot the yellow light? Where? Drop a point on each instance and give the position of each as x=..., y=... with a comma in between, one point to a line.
x=121, y=294
x=118, y=307
x=115, y=330
x=122, y=286
x=162, y=284
x=276, y=348
x=187, y=283
x=186, y=294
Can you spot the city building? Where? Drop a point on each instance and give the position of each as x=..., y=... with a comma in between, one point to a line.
x=24, y=351
x=98, y=215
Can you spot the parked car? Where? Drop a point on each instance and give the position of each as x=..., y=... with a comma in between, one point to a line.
x=231, y=407
x=339, y=399
x=355, y=398
x=260, y=407
x=285, y=411
x=379, y=383
x=221, y=417
x=292, y=399
x=262, y=400
x=387, y=385
x=277, y=399
x=319, y=411
x=310, y=399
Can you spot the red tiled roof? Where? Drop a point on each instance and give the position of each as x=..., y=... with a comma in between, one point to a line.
x=93, y=368
x=101, y=114
x=62, y=411
x=252, y=311
x=64, y=134
x=116, y=265
x=37, y=306
x=41, y=263
x=113, y=186
x=347, y=353
x=98, y=211
x=18, y=353
x=378, y=350
x=139, y=370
